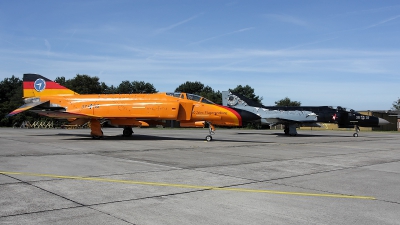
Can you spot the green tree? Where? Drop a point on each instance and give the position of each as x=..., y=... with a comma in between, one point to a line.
x=81, y=84
x=287, y=102
x=127, y=87
x=8, y=88
x=108, y=89
x=61, y=81
x=248, y=92
x=143, y=87
x=11, y=99
x=84, y=84
x=396, y=104
x=191, y=87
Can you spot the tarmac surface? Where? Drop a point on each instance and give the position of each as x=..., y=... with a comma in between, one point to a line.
x=173, y=176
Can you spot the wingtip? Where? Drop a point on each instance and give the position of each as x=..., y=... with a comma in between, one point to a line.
x=13, y=113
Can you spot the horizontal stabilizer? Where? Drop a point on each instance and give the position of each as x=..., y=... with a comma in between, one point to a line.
x=26, y=107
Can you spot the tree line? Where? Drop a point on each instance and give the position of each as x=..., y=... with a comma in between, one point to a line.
x=11, y=93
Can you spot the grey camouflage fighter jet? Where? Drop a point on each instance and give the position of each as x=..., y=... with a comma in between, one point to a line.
x=290, y=119
x=325, y=114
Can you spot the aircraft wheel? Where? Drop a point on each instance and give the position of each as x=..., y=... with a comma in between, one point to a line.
x=127, y=133
x=355, y=135
x=208, y=138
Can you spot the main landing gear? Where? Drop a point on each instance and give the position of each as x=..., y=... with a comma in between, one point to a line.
x=97, y=133
x=357, y=128
x=290, y=130
x=211, y=131
x=127, y=132
x=95, y=128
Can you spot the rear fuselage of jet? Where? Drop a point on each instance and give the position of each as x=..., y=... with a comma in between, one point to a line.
x=339, y=115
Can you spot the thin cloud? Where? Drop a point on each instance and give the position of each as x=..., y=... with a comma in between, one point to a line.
x=368, y=11
x=48, y=46
x=310, y=43
x=221, y=35
x=383, y=22
x=72, y=35
x=365, y=28
x=162, y=30
x=287, y=19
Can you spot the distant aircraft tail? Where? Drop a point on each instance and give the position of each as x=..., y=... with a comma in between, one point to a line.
x=229, y=99
x=232, y=99
x=225, y=96
x=35, y=85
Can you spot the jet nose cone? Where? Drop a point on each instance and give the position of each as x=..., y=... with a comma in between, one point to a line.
x=382, y=122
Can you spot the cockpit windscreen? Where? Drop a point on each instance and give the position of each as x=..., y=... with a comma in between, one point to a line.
x=190, y=97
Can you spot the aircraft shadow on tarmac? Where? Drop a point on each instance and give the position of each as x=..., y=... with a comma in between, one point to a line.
x=298, y=135
x=142, y=137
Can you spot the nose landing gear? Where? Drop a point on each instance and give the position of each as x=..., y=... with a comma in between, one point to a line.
x=211, y=131
x=357, y=128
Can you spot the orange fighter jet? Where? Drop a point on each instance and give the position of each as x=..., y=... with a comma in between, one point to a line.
x=50, y=99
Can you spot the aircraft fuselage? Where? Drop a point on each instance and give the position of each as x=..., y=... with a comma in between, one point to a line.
x=339, y=115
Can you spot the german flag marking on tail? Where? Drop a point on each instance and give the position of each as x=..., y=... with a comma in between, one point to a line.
x=35, y=85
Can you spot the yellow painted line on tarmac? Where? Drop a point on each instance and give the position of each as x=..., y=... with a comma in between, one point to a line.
x=188, y=186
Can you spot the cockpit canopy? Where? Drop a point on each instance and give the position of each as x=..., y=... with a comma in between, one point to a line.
x=339, y=108
x=193, y=97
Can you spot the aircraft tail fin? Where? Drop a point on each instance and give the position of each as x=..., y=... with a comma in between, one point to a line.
x=225, y=97
x=35, y=85
x=233, y=99
x=248, y=101
x=230, y=100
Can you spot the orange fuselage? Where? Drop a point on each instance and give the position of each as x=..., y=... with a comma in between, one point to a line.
x=51, y=99
x=127, y=109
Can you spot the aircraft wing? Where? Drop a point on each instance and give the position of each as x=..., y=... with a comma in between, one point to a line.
x=278, y=120
x=61, y=114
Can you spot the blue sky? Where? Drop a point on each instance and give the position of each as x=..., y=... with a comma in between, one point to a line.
x=317, y=52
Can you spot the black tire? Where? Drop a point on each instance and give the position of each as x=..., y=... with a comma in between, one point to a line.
x=127, y=133
x=208, y=138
